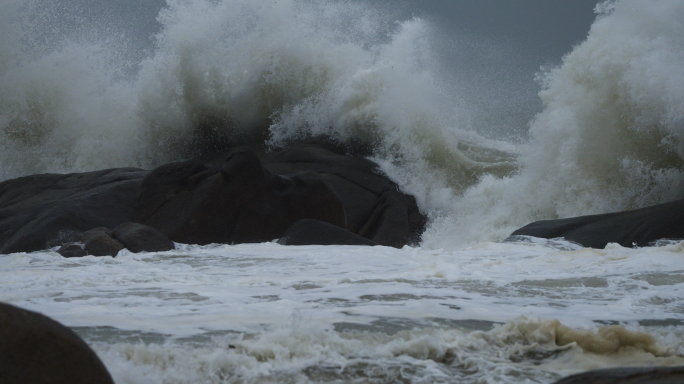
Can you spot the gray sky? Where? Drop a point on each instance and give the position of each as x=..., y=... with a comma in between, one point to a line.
x=492, y=49
x=551, y=27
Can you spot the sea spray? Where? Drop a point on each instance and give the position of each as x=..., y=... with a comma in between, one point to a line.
x=245, y=73
x=66, y=103
x=224, y=73
x=609, y=137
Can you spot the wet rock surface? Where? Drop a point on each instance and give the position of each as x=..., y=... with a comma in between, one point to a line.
x=314, y=232
x=99, y=242
x=142, y=238
x=43, y=211
x=639, y=228
x=374, y=207
x=242, y=197
x=38, y=350
x=72, y=250
x=103, y=241
x=233, y=201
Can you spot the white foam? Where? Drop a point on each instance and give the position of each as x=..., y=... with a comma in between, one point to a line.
x=300, y=353
x=610, y=136
x=490, y=281
x=236, y=69
x=317, y=313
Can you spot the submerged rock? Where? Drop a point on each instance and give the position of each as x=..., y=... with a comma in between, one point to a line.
x=639, y=228
x=314, y=232
x=650, y=375
x=43, y=211
x=234, y=201
x=36, y=349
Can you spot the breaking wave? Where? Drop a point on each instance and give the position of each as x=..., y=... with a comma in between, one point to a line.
x=521, y=350
x=78, y=96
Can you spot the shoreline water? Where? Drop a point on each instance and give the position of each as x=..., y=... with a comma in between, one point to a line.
x=297, y=312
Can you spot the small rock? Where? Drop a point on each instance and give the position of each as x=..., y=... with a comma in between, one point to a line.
x=142, y=238
x=72, y=250
x=99, y=242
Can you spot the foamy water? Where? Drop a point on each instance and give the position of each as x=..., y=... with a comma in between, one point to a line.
x=269, y=313
x=79, y=94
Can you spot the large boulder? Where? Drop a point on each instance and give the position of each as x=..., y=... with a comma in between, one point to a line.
x=374, y=207
x=235, y=200
x=239, y=198
x=43, y=211
x=38, y=350
x=640, y=227
x=631, y=375
x=314, y=232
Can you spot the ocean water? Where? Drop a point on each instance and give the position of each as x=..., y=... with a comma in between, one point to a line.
x=91, y=85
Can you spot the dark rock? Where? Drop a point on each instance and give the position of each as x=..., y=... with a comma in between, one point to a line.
x=142, y=238
x=233, y=201
x=646, y=375
x=393, y=220
x=36, y=349
x=72, y=250
x=314, y=232
x=43, y=211
x=373, y=205
x=99, y=242
x=639, y=227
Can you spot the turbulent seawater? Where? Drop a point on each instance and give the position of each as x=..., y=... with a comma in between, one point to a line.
x=489, y=313
x=79, y=91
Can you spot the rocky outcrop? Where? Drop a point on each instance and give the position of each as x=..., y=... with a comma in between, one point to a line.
x=639, y=228
x=650, y=375
x=374, y=207
x=240, y=198
x=314, y=232
x=36, y=349
x=43, y=211
x=235, y=200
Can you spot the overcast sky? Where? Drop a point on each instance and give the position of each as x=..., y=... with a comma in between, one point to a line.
x=492, y=50
x=551, y=26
